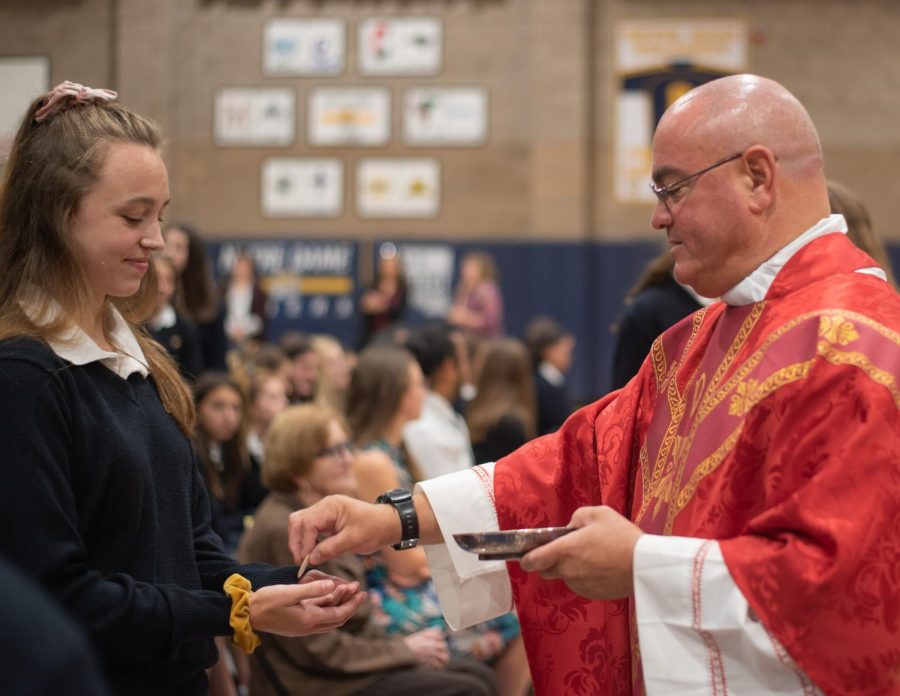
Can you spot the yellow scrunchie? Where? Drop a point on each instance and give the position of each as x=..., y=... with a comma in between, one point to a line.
x=238, y=588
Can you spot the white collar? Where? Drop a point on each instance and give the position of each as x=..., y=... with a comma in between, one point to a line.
x=166, y=319
x=78, y=348
x=754, y=287
x=551, y=373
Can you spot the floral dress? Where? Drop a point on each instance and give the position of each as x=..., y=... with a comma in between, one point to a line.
x=405, y=610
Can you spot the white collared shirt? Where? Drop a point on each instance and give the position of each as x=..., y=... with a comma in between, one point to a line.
x=78, y=348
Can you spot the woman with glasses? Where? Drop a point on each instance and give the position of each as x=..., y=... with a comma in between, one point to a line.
x=309, y=456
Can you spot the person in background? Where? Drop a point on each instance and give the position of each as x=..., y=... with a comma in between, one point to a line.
x=655, y=302
x=195, y=293
x=304, y=383
x=309, y=457
x=334, y=372
x=383, y=304
x=267, y=397
x=736, y=504
x=387, y=390
x=175, y=333
x=438, y=440
x=477, y=301
x=502, y=416
x=551, y=349
x=845, y=202
x=244, y=302
x=220, y=441
x=102, y=504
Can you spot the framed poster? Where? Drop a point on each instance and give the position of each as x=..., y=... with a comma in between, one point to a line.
x=22, y=79
x=302, y=187
x=359, y=116
x=304, y=47
x=448, y=116
x=400, y=46
x=254, y=116
x=398, y=188
x=656, y=62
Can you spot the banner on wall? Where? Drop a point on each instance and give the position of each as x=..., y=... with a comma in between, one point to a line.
x=429, y=277
x=311, y=285
x=359, y=116
x=304, y=47
x=302, y=187
x=447, y=116
x=400, y=46
x=254, y=116
x=657, y=61
x=407, y=187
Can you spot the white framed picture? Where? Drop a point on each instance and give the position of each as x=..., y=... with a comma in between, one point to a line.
x=254, y=116
x=304, y=46
x=22, y=79
x=400, y=46
x=398, y=187
x=358, y=116
x=302, y=187
x=448, y=116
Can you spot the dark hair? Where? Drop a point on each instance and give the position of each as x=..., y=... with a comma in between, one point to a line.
x=295, y=343
x=52, y=166
x=196, y=296
x=225, y=486
x=541, y=333
x=379, y=380
x=859, y=225
x=431, y=345
x=505, y=387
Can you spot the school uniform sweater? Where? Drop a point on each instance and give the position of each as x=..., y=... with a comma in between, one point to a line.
x=102, y=503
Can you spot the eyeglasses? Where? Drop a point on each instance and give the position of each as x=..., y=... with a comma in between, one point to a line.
x=665, y=193
x=337, y=450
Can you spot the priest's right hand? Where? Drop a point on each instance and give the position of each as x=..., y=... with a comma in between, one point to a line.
x=348, y=524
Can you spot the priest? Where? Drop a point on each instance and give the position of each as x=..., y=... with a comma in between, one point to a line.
x=737, y=504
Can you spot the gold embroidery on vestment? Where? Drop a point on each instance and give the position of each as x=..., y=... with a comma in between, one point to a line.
x=836, y=329
x=873, y=372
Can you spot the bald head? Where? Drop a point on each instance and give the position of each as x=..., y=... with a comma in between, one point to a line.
x=734, y=113
x=742, y=174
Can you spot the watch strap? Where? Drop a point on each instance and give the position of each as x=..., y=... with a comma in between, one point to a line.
x=402, y=502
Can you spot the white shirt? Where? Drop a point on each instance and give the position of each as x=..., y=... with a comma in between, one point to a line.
x=78, y=348
x=439, y=439
x=674, y=649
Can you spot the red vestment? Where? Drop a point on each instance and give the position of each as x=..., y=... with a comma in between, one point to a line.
x=773, y=428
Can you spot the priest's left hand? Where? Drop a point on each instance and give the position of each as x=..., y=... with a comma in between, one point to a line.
x=596, y=561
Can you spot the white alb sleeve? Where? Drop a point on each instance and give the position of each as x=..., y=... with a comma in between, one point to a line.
x=698, y=635
x=470, y=591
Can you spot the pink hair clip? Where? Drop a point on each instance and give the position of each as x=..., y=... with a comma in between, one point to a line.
x=66, y=94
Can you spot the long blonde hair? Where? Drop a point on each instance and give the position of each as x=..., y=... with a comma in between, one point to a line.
x=52, y=166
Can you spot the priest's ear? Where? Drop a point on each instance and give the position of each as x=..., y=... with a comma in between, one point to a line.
x=760, y=169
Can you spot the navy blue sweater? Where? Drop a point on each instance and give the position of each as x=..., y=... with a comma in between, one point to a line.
x=102, y=503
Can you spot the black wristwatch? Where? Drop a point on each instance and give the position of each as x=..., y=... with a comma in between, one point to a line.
x=409, y=521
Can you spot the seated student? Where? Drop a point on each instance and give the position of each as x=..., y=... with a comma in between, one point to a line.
x=220, y=442
x=309, y=456
x=502, y=415
x=438, y=440
x=551, y=349
x=174, y=332
x=386, y=393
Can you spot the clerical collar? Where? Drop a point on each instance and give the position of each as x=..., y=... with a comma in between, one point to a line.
x=78, y=348
x=754, y=287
